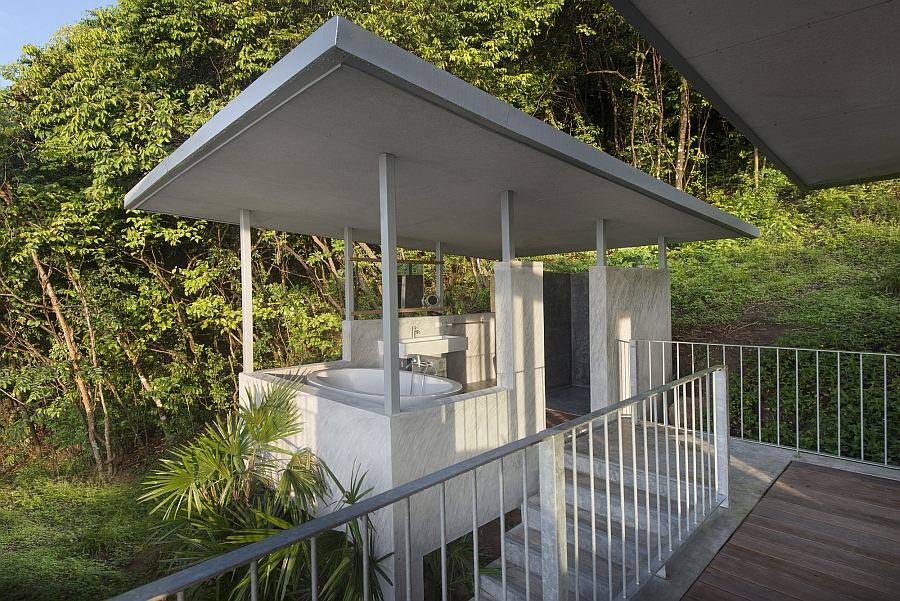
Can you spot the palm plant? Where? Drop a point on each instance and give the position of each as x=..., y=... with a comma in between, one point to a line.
x=234, y=485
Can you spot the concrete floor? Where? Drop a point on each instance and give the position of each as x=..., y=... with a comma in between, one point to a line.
x=575, y=400
x=754, y=468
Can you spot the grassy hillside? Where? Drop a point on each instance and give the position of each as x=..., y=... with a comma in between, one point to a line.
x=825, y=271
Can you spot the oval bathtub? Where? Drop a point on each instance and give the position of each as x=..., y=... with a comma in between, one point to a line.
x=369, y=383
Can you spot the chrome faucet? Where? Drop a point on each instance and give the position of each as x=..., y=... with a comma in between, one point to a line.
x=415, y=331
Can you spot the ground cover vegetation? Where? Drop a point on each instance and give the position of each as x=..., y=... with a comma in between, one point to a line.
x=121, y=331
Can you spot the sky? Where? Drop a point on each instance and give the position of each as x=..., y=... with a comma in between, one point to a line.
x=34, y=22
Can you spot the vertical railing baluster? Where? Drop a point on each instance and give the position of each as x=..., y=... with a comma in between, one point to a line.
x=503, y=576
x=525, y=525
x=778, y=396
x=741, y=359
x=254, y=580
x=577, y=557
x=622, y=502
x=654, y=418
x=665, y=409
x=696, y=391
x=862, y=413
x=759, y=391
x=797, y=400
x=476, y=560
x=442, y=503
x=646, y=479
x=709, y=456
x=678, y=360
x=407, y=547
x=818, y=409
x=885, y=412
x=314, y=568
x=637, y=517
x=839, y=403
x=590, y=435
x=609, y=534
x=678, y=456
x=702, y=458
x=367, y=592
x=179, y=596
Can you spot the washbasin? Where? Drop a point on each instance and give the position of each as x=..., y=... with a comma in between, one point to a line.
x=429, y=345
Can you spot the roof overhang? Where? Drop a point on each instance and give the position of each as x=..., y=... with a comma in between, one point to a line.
x=299, y=148
x=813, y=84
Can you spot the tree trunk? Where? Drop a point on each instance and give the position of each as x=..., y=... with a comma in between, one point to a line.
x=684, y=116
x=755, y=169
x=145, y=384
x=74, y=357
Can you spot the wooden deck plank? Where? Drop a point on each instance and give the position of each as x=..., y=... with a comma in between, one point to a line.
x=818, y=533
x=869, y=580
x=740, y=587
x=702, y=591
x=827, y=515
x=843, y=556
x=834, y=504
x=777, y=580
x=805, y=574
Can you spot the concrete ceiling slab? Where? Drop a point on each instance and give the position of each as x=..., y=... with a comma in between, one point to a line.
x=300, y=146
x=812, y=83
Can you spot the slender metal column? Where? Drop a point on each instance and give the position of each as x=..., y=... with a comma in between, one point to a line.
x=601, y=242
x=246, y=291
x=349, y=288
x=507, y=225
x=662, y=252
x=389, y=298
x=439, y=273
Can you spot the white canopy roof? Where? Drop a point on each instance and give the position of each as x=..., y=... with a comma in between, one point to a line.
x=812, y=83
x=299, y=148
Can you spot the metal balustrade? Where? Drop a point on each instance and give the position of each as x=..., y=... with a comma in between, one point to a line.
x=828, y=402
x=606, y=499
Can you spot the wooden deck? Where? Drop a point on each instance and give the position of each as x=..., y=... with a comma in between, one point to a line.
x=819, y=534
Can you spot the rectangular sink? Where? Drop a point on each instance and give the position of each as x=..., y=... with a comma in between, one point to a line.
x=429, y=345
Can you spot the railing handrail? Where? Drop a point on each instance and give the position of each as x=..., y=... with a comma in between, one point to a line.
x=211, y=568
x=763, y=346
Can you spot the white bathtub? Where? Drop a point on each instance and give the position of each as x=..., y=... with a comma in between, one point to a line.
x=368, y=383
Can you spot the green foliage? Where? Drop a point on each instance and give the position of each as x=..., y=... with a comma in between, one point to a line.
x=72, y=538
x=234, y=485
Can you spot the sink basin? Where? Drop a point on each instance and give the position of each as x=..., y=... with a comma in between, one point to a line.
x=429, y=345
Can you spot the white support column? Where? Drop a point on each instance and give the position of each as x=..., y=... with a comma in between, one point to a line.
x=349, y=291
x=389, y=298
x=601, y=242
x=662, y=252
x=246, y=291
x=554, y=546
x=439, y=273
x=507, y=226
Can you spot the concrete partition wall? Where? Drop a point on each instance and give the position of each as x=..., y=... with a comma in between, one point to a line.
x=625, y=304
x=519, y=300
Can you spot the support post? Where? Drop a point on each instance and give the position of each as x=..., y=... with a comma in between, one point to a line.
x=389, y=298
x=720, y=407
x=554, y=573
x=246, y=291
x=632, y=367
x=661, y=255
x=601, y=242
x=349, y=287
x=439, y=273
x=507, y=226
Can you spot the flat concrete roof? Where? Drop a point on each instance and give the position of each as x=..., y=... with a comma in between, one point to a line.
x=812, y=83
x=299, y=148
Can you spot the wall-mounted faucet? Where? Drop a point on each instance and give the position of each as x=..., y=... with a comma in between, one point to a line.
x=415, y=331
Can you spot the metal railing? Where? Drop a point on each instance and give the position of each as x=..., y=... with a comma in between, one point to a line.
x=661, y=468
x=838, y=403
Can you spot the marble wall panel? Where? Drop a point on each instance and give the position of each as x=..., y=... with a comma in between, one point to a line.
x=557, y=330
x=625, y=304
x=581, y=329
